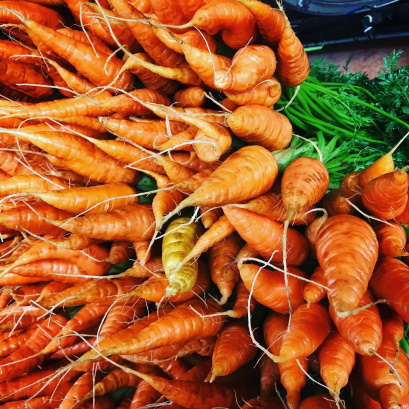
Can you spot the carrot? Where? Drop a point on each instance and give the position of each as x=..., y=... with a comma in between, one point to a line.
x=265, y=236
x=392, y=325
x=233, y=349
x=292, y=60
x=145, y=394
x=404, y=217
x=70, y=148
x=386, y=386
x=191, y=394
x=14, y=341
x=29, y=218
x=100, y=292
x=36, y=12
x=43, y=402
x=100, y=402
x=234, y=21
x=168, y=12
x=315, y=293
x=350, y=182
x=362, y=330
x=265, y=93
x=392, y=239
x=131, y=222
x=94, y=199
x=389, y=281
x=33, y=82
x=149, y=269
x=190, y=97
x=337, y=358
x=269, y=376
x=24, y=359
x=120, y=251
x=309, y=326
x=292, y=376
x=312, y=231
x=270, y=22
x=386, y=196
x=318, y=401
x=352, y=240
x=260, y=280
x=234, y=75
x=338, y=201
x=156, y=335
x=260, y=125
x=210, y=215
x=225, y=274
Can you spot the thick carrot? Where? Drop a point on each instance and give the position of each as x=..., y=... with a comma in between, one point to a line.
x=260, y=125
x=233, y=349
x=347, y=250
x=336, y=358
x=260, y=280
x=270, y=21
x=25, y=358
x=386, y=196
x=94, y=199
x=196, y=320
x=292, y=60
x=265, y=236
x=392, y=239
x=389, y=281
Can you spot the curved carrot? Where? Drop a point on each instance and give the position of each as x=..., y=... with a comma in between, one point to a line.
x=386, y=196
x=347, y=250
x=336, y=358
x=292, y=60
x=265, y=236
x=260, y=281
x=262, y=126
x=389, y=281
x=392, y=239
x=233, y=349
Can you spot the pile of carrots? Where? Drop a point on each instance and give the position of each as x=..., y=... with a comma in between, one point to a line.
x=230, y=284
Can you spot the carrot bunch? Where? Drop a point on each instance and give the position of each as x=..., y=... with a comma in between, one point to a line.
x=152, y=244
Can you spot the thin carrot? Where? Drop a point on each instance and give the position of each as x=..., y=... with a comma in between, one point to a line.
x=14, y=341
x=190, y=97
x=269, y=376
x=315, y=293
x=352, y=240
x=392, y=239
x=312, y=231
x=338, y=201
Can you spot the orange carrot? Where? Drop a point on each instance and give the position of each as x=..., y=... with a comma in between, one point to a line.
x=338, y=201
x=389, y=281
x=94, y=199
x=353, y=241
x=265, y=236
x=292, y=60
x=260, y=402
x=392, y=239
x=260, y=125
x=386, y=196
x=149, y=269
x=315, y=293
x=190, y=97
x=24, y=359
x=337, y=358
x=318, y=401
x=270, y=22
x=350, y=182
x=312, y=231
x=223, y=270
x=14, y=341
x=392, y=325
x=233, y=349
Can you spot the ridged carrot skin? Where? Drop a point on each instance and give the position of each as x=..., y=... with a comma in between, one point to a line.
x=265, y=93
x=387, y=195
x=310, y=325
x=260, y=125
x=268, y=287
x=169, y=12
x=158, y=333
x=93, y=199
x=292, y=60
x=233, y=349
x=13, y=342
x=318, y=401
x=269, y=376
x=337, y=201
x=392, y=325
x=392, y=239
x=190, y=97
x=314, y=293
x=292, y=376
x=222, y=265
x=364, y=329
x=337, y=358
x=390, y=281
x=347, y=250
x=270, y=21
x=265, y=236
